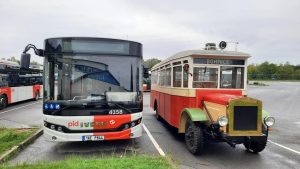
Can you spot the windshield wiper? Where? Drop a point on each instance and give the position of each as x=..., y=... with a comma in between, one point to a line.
x=59, y=110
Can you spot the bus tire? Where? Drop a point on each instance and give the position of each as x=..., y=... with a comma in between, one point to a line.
x=194, y=137
x=3, y=102
x=36, y=96
x=157, y=116
x=256, y=146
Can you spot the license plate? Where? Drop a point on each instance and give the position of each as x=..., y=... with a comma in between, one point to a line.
x=92, y=138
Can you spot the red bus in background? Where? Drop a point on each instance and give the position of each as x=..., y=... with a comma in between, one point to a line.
x=147, y=84
x=18, y=84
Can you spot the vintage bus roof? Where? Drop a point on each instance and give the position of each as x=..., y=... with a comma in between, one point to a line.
x=203, y=53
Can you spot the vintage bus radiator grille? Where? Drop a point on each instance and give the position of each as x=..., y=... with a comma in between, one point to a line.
x=245, y=118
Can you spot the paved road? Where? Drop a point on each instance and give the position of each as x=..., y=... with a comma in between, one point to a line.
x=282, y=99
x=22, y=115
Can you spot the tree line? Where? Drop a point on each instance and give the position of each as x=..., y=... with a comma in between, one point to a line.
x=263, y=71
x=13, y=59
x=271, y=71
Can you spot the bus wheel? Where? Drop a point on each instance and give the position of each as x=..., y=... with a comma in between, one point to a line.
x=255, y=146
x=158, y=117
x=3, y=101
x=194, y=137
x=37, y=96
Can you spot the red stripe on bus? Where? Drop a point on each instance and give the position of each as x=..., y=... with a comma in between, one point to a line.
x=112, y=122
x=36, y=88
x=121, y=135
x=7, y=92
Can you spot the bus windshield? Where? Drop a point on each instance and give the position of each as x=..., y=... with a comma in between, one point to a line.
x=87, y=78
x=90, y=76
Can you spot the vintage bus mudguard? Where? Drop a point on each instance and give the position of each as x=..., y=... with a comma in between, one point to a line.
x=264, y=115
x=195, y=114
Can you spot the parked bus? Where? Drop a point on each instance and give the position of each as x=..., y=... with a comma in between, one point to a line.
x=203, y=94
x=147, y=84
x=18, y=84
x=92, y=89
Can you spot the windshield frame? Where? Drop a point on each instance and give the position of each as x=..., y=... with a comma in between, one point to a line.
x=219, y=67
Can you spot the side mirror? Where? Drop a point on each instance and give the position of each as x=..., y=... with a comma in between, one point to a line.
x=146, y=72
x=25, y=60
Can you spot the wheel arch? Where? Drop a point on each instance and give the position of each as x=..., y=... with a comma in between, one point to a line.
x=195, y=114
x=155, y=105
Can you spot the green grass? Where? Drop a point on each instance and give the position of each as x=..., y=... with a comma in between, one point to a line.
x=12, y=137
x=130, y=162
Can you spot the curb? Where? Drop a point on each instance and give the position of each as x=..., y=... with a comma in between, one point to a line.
x=18, y=148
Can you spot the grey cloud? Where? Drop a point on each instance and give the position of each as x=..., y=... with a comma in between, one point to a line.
x=266, y=29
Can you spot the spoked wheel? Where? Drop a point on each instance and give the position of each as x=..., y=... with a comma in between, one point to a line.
x=3, y=102
x=194, y=138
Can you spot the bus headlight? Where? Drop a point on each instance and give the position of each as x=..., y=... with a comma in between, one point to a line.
x=269, y=121
x=223, y=121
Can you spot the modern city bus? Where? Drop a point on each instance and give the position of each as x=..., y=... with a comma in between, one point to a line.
x=202, y=93
x=92, y=88
x=18, y=84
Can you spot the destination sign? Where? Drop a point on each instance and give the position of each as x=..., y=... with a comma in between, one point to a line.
x=218, y=61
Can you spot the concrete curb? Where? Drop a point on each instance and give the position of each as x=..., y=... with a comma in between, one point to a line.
x=18, y=148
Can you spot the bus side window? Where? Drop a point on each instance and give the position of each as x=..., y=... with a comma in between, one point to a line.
x=177, y=72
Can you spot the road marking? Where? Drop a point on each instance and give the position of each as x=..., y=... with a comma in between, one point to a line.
x=282, y=146
x=19, y=107
x=161, y=152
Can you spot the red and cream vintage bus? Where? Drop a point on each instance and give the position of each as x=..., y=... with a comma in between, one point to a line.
x=203, y=94
x=18, y=85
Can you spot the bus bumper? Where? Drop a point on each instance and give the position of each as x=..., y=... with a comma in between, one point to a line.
x=57, y=136
x=74, y=124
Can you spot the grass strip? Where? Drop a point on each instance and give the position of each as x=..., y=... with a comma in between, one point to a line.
x=130, y=162
x=10, y=137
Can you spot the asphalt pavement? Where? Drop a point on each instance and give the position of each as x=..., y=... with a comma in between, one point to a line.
x=281, y=99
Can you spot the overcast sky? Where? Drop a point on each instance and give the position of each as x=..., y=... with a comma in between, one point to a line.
x=267, y=29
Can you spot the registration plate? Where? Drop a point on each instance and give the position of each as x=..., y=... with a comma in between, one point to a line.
x=92, y=138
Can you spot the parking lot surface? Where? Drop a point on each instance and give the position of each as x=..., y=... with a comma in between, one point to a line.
x=281, y=99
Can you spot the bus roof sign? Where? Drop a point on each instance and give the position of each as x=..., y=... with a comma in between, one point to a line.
x=218, y=61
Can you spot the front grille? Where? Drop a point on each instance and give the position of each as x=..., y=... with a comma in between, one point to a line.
x=245, y=118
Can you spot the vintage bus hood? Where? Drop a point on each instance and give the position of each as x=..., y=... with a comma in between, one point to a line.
x=220, y=98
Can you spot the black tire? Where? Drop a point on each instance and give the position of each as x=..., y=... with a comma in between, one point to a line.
x=37, y=96
x=157, y=116
x=3, y=102
x=256, y=146
x=194, y=137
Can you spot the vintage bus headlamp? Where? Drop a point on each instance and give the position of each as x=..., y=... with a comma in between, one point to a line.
x=223, y=121
x=269, y=121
